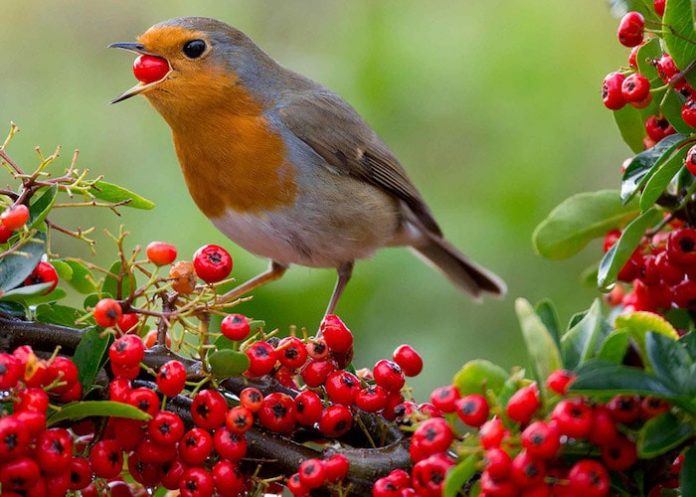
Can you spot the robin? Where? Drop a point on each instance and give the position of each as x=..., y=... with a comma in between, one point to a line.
x=283, y=166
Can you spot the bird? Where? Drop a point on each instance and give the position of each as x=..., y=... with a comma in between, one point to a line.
x=283, y=166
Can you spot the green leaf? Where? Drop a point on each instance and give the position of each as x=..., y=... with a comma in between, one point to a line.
x=111, y=284
x=22, y=293
x=584, y=339
x=629, y=120
x=644, y=164
x=42, y=206
x=638, y=324
x=15, y=309
x=90, y=355
x=619, y=254
x=687, y=476
x=647, y=53
x=15, y=267
x=114, y=193
x=89, y=408
x=548, y=315
x=458, y=476
x=662, y=177
x=614, y=348
x=619, y=8
x=598, y=377
x=65, y=272
x=662, y=434
x=80, y=277
x=541, y=346
x=679, y=35
x=59, y=314
x=670, y=361
x=670, y=107
x=479, y=375
x=578, y=220
x=227, y=362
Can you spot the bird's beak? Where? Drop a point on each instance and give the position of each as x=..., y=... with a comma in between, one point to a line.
x=139, y=88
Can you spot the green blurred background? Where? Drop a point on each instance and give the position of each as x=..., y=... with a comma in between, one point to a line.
x=493, y=107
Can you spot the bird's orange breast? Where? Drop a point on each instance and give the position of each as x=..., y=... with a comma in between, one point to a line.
x=230, y=156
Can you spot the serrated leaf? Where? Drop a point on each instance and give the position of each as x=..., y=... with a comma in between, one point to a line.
x=89, y=408
x=619, y=254
x=582, y=342
x=80, y=278
x=14, y=268
x=578, y=220
x=670, y=361
x=479, y=375
x=629, y=120
x=458, y=476
x=662, y=177
x=541, y=346
x=114, y=193
x=662, y=434
x=90, y=355
x=644, y=164
x=40, y=208
x=679, y=35
x=226, y=363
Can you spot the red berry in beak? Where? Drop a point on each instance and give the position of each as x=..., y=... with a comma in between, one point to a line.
x=148, y=68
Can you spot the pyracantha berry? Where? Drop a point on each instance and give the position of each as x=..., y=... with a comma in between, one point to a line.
x=15, y=217
x=208, y=409
x=166, y=428
x=161, y=253
x=335, y=421
x=278, y=412
x=106, y=459
x=410, y=362
x=308, y=408
x=541, y=440
x=291, y=352
x=342, y=387
x=196, y=482
x=523, y=404
x=251, y=398
x=232, y=446
x=212, y=263
x=235, y=327
x=631, y=29
x=312, y=473
x=107, y=312
x=171, y=378
x=588, y=478
x=388, y=375
x=43, y=273
x=127, y=351
x=473, y=410
x=239, y=419
x=195, y=446
x=262, y=358
x=611, y=91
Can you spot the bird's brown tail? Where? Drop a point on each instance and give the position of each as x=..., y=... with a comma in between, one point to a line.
x=461, y=271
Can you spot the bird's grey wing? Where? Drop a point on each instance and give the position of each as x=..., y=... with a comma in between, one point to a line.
x=337, y=133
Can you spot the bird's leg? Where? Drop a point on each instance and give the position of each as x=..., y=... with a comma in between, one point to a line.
x=274, y=272
x=344, y=273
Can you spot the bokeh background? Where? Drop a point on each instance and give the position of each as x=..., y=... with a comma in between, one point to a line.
x=493, y=106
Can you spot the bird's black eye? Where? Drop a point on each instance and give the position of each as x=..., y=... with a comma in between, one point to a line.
x=194, y=48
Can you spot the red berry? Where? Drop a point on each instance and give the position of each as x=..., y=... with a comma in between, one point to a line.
x=251, y=398
x=631, y=29
x=388, y=375
x=228, y=478
x=262, y=358
x=19, y=474
x=317, y=349
x=209, y=409
x=342, y=387
x=308, y=407
x=573, y=418
x=632, y=57
x=80, y=473
x=336, y=467
x=429, y=475
x=659, y=6
x=14, y=437
x=312, y=473
x=31, y=399
x=589, y=479
x=335, y=421
x=666, y=68
x=291, y=352
x=690, y=161
x=119, y=390
x=336, y=334
x=5, y=233
x=195, y=446
x=278, y=412
x=296, y=487
x=492, y=433
x=315, y=372
x=10, y=371
x=171, y=378
x=196, y=482
x=473, y=410
x=63, y=369
x=161, y=253
x=106, y=459
x=651, y=407
x=107, y=312
x=147, y=474
x=171, y=474
x=371, y=399
x=235, y=327
x=624, y=408
x=408, y=360
x=527, y=471
x=43, y=273
x=144, y=399
x=497, y=488
x=434, y=436
x=166, y=428
x=611, y=91
x=54, y=450
x=149, y=68
x=658, y=127
x=688, y=112
x=15, y=217
x=212, y=263
x=127, y=351
x=541, y=440
x=603, y=426
x=635, y=88
x=620, y=454
x=229, y=445
x=497, y=463
x=150, y=452
x=559, y=381
x=523, y=404
x=128, y=322
x=239, y=419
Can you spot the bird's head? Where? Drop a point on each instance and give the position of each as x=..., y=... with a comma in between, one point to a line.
x=194, y=63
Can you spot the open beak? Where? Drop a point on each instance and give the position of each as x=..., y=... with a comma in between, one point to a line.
x=140, y=87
